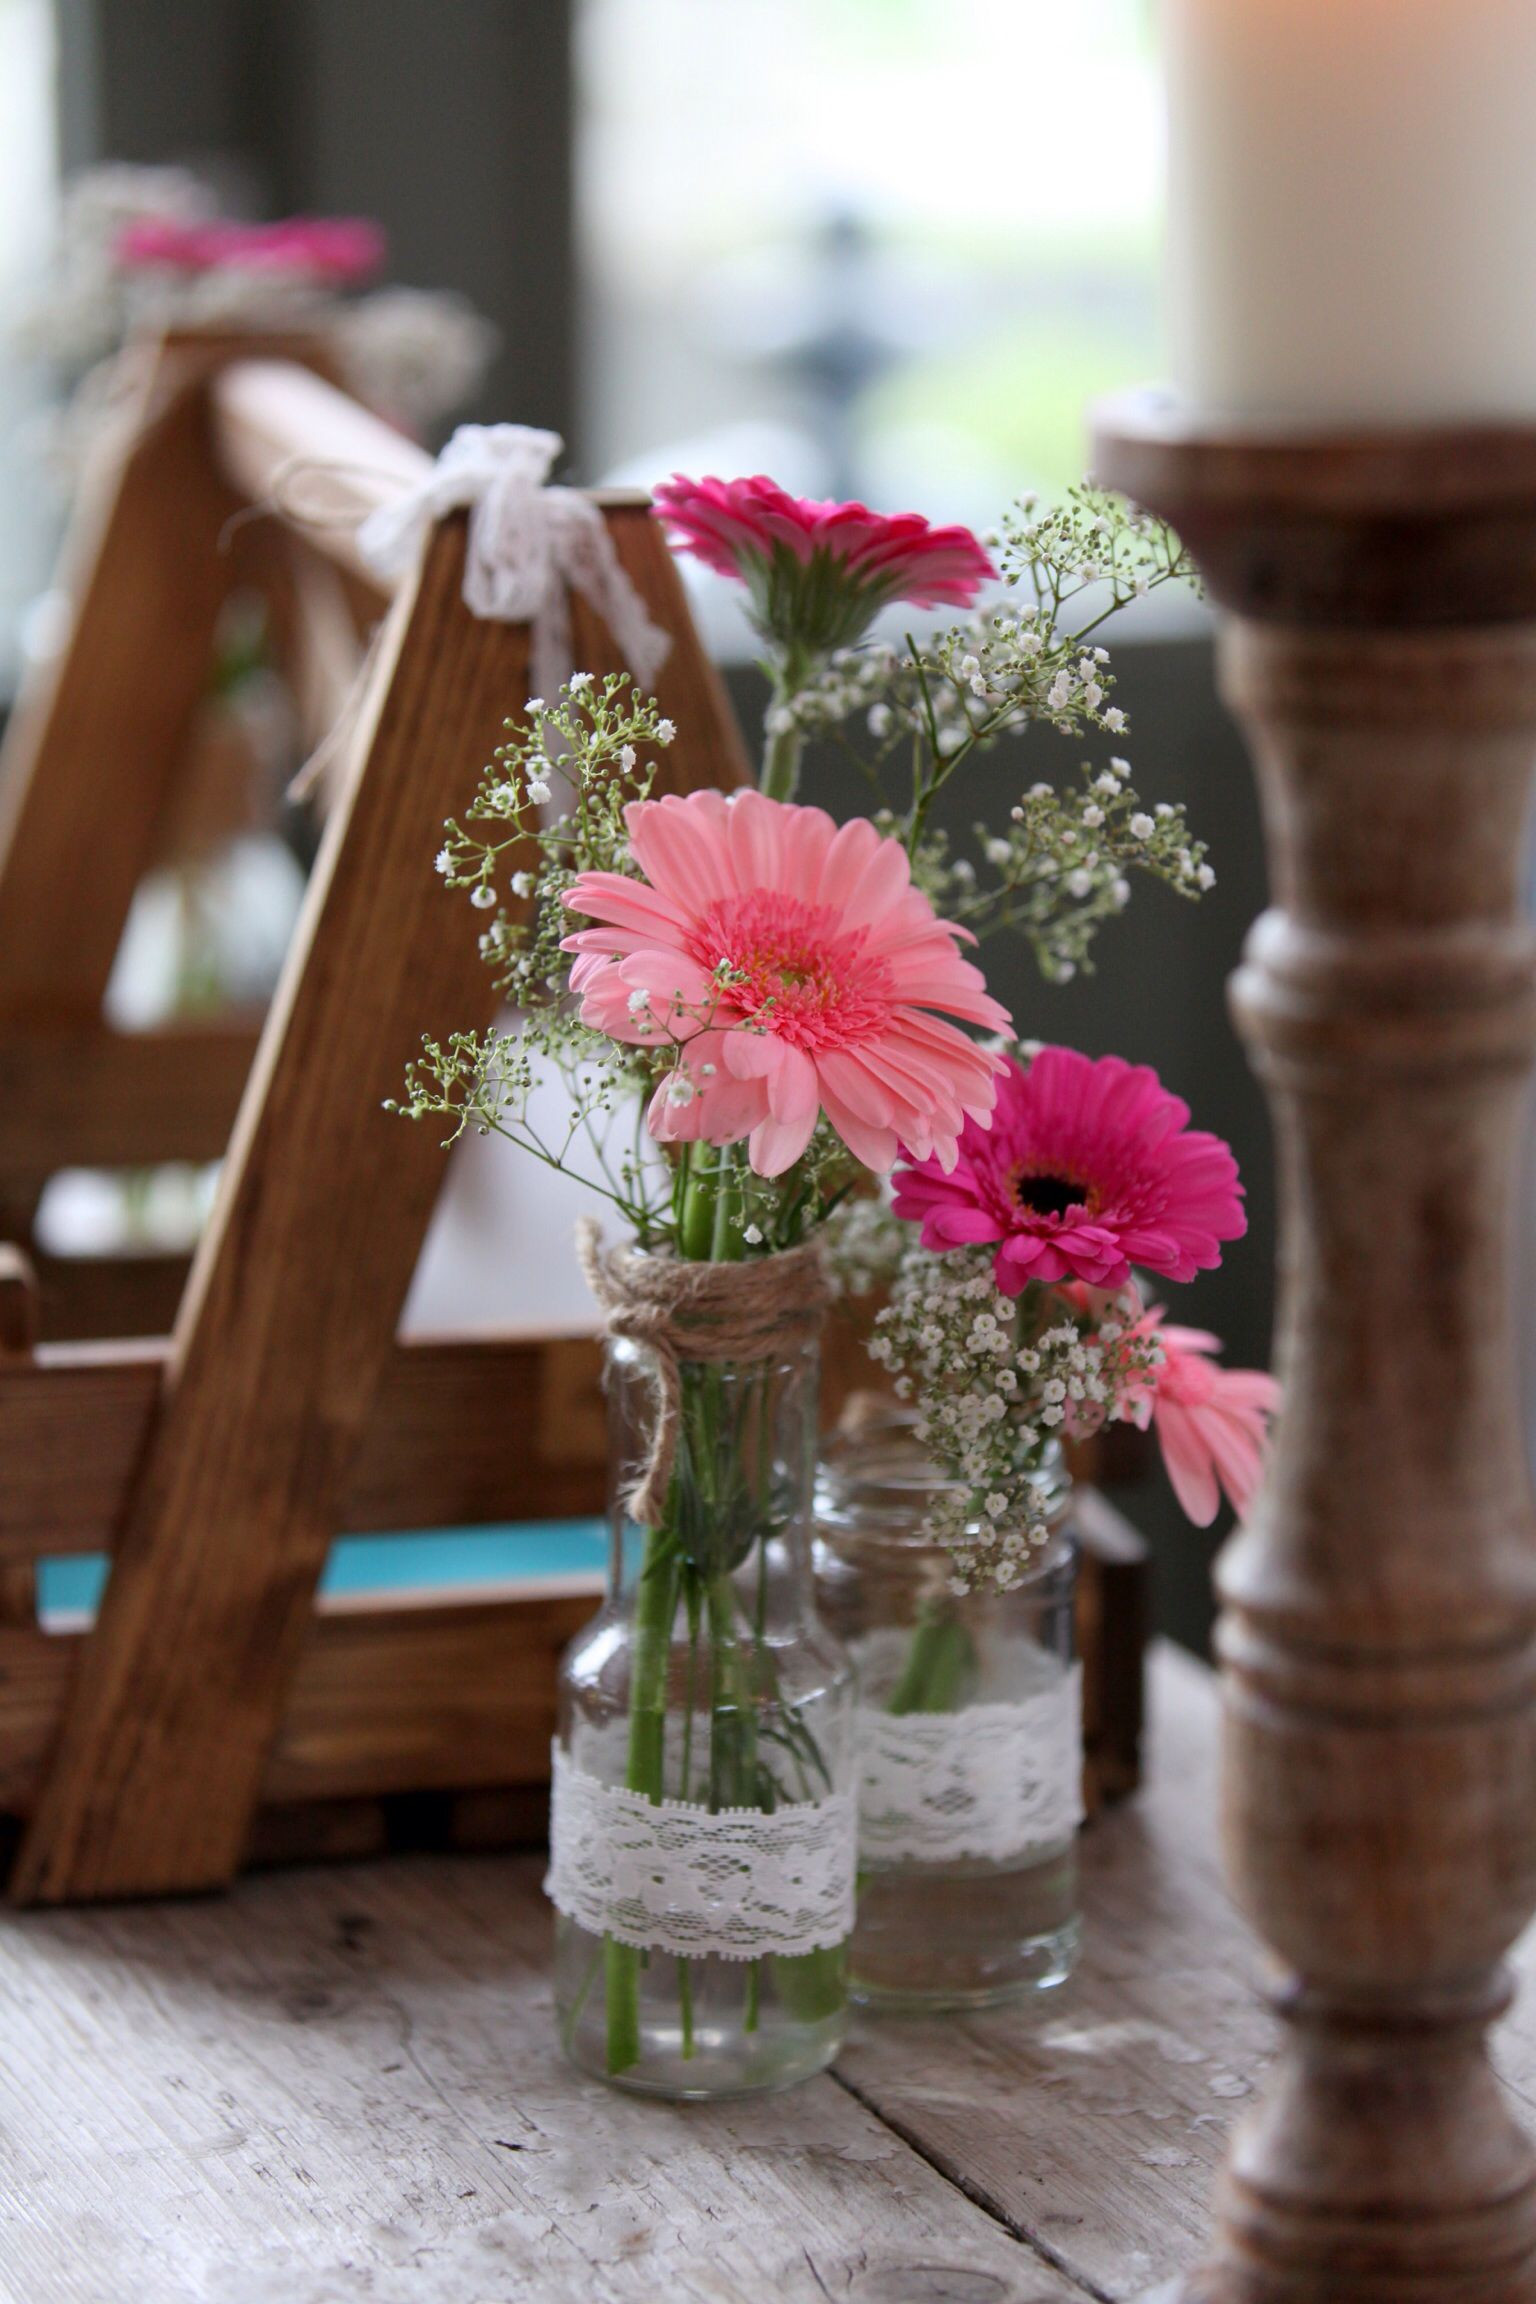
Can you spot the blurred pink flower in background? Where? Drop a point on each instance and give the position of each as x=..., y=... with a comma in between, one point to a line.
x=338, y=250
x=1085, y=1169
x=1212, y=1423
x=794, y=964
x=819, y=573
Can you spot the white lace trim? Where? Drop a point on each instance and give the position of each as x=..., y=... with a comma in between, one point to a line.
x=527, y=545
x=674, y=1877
x=995, y=1781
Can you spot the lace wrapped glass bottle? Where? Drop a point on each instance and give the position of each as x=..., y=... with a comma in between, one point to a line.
x=703, y=1832
x=969, y=1738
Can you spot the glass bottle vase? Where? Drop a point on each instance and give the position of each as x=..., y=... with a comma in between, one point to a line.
x=704, y=1823
x=969, y=1731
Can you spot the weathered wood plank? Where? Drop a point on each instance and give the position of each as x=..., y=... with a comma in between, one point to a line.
x=1094, y=2125
x=339, y=2085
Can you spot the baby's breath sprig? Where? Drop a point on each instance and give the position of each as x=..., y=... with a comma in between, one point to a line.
x=996, y=1379
x=598, y=740
x=1028, y=660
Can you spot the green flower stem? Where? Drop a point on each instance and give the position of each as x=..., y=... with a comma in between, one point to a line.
x=780, y=774
x=780, y=778
x=656, y=1607
x=718, y=1506
x=939, y=1660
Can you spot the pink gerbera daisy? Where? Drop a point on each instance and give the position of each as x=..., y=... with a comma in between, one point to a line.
x=794, y=966
x=1212, y=1423
x=339, y=250
x=819, y=573
x=1087, y=1169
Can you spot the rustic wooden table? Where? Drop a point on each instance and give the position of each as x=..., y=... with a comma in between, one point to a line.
x=342, y=2084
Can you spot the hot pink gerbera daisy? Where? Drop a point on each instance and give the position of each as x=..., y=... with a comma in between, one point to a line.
x=336, y=249
x=818, y=574
x=1086, y=1169
x=1212, y=1423
x=794, y=965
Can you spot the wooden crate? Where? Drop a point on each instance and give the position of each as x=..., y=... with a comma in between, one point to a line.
x=214, y=1711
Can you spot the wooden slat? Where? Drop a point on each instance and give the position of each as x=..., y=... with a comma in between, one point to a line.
x=18, y=1345
x=463, y=1431
x=291, y=1310
x=97, y=739
x=390, y=1695
x=109, y=1296
x=90, y=1098
x=285, y=437
x=425, y=1698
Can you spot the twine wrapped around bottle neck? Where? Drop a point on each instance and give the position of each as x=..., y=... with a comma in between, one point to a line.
x=681, y=1311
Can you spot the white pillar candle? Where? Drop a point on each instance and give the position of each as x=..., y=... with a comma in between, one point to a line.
x=1352, y=208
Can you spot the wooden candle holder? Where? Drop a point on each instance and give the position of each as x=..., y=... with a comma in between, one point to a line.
x=1378, y=1633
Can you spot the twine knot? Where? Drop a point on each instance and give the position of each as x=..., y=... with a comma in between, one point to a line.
x=681, y=1311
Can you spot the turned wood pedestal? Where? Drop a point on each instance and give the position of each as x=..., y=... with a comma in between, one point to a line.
x=1378, y=1627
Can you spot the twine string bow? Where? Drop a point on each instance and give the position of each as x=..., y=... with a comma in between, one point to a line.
x=682, y=1312
x=529, y=547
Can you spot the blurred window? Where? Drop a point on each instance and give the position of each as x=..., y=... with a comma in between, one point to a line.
x=877, y=247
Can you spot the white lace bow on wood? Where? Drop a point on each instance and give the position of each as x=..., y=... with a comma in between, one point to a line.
x=673, y=1877
x=529, y=547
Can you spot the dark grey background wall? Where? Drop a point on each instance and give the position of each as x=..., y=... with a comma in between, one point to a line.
x=447, y=120
x=451, y=122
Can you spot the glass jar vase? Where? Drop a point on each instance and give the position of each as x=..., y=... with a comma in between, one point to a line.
x=704, y=1818
x=969, y=1731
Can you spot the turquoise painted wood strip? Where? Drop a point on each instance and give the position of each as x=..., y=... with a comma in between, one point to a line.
x=426, y=1559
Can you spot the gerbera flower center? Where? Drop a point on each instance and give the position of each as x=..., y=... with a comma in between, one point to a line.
x=1048, y=1195
x=794, y=969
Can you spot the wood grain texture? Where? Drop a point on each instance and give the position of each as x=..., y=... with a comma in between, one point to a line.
x=87, y=1097
x=146, y=582
x=1378, y=1634
x=345, y=2084
x=19, y=1319
x=462, y=1431
x=405, y=1694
